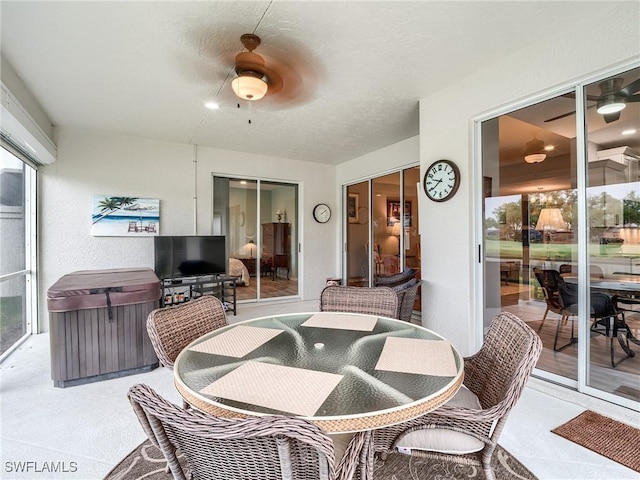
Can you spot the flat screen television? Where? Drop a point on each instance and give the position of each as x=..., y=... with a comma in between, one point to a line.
x=189, y=256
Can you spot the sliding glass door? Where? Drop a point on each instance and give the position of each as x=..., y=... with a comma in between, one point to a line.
x=17, y=248
x=259, y=221
x=560, y=228
x=381, y=227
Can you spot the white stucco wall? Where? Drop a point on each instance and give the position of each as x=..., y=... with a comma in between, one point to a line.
x=449, y=259
x=91, y=163
x=449, y=249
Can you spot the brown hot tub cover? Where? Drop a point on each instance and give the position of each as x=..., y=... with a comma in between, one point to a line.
x=86, y=289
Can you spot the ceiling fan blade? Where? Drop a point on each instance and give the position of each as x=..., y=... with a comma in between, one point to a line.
x=559, y=117
x=611, y=117
x=630, y=89
x=564, y=115
x=632, y=98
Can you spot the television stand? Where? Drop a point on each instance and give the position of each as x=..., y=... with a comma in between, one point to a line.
x=182, y=289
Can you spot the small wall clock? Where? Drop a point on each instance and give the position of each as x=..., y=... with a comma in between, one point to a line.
x=441, y=181
x=321, y=213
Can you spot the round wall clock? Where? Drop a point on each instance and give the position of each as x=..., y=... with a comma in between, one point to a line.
x=321, y=213
x=442, y=180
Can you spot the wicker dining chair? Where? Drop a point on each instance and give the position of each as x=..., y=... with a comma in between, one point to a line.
x=381, y=301
x=171, y=329
x=466, y=429
x=267, y=448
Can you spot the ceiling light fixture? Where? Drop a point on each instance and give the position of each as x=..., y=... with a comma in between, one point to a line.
x=630, y=131
x=609, y=102
x=212, y=105
x=534, y=151
x=249, y=86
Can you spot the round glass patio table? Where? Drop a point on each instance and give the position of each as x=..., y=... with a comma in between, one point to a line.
x=335, y=368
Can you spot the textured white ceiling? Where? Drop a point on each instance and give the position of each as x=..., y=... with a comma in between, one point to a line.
x=357, y=69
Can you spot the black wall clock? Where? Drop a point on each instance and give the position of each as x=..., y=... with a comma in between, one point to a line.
x=321, y=213
x=441, y=181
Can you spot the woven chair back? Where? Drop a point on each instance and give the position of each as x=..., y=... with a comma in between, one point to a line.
x=171, y=329
x=382, y=301
x=267, y=448
x=504, y=362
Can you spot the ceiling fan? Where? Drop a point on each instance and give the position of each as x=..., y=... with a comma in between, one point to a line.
x=612, y=100
x=254, y=78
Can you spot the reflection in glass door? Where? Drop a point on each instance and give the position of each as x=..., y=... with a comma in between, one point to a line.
x=259, y=220
x=561, y=238
x=387, y=224
x=386, y=219
x=530, y=224
x=357, y=235
x=613, y=236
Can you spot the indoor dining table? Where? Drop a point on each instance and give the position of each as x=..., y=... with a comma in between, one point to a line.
x=625, y=291
x=345, y=372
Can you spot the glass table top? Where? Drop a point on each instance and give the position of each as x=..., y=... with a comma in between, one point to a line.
x=340, y=372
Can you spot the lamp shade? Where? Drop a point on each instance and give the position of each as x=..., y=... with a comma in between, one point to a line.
x=550, y=219
x=396, y=229
x=249, y=86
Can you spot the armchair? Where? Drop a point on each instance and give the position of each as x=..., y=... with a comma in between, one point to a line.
x=466, y=429
x=269, y=448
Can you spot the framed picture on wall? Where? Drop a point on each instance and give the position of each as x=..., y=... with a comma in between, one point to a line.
x=125, y=216
x=394, y=213
x=352, y=207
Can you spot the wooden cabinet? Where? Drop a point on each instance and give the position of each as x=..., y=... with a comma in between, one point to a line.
x=276, y=247
x=250, y=263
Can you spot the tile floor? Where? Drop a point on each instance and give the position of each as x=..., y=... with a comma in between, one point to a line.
x=85, y=430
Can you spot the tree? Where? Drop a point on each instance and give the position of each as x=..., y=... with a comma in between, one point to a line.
x=113, y=204
x=631, y=209
x=510, y=217
x=603, y=210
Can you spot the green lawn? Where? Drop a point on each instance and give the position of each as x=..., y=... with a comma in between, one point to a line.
x=555, y=251
x=11, y=321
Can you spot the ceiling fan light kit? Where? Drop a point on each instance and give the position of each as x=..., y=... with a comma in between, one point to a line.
x=610, y=106
x=249, y=86
x=610, y=99
x=534, y=151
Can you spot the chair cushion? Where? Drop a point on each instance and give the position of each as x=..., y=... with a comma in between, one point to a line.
x=442, y=440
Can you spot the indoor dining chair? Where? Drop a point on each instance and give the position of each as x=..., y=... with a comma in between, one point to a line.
x=606, y=318
x=171, y=329
x=381, y=301
x=466, y=429
x=272, y=447
x=548, y=280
